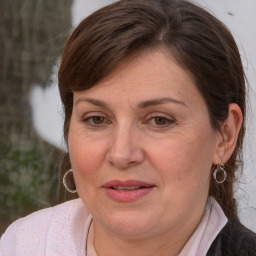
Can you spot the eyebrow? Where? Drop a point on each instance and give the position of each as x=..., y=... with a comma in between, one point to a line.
x=143, y=104
x=92, y=101
x=160, y=101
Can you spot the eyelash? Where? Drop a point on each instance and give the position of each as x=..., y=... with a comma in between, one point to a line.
x=167, y=121
x=90, y=121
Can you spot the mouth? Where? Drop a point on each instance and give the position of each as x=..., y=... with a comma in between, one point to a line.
x=127, y=191
x=126, y=188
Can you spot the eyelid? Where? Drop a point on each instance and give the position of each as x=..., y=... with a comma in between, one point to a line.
x=168, y=118
x=88, y=116
x=93, y=113
x=159, y=114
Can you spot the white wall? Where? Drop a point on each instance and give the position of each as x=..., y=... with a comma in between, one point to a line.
x=239, y=16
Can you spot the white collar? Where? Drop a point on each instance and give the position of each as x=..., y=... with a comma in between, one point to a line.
x=211, y=224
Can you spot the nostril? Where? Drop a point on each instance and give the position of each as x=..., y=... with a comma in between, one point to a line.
x=124, y=155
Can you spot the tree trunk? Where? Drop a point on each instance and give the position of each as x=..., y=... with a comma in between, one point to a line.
x=32, y=35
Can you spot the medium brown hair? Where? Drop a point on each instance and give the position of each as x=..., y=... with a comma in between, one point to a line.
x=199, y=42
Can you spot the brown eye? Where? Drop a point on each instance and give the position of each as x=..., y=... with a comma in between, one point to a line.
x=98, y=119
x=160, y=120
x=95, y=121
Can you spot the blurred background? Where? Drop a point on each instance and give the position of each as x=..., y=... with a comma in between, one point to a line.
x=31, y=140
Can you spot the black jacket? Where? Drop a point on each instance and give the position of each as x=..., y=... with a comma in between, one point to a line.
x=234, y=240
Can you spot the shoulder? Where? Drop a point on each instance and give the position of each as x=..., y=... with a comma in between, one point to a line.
x=234, y=240
x=32, y=233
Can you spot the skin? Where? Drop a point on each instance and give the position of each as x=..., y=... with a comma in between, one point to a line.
x=116, y=133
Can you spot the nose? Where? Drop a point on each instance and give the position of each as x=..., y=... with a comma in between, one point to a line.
x=125, y=148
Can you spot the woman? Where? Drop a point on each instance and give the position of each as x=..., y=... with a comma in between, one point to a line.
x=154, y=100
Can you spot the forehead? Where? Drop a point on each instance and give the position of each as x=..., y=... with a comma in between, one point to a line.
x=152, y=73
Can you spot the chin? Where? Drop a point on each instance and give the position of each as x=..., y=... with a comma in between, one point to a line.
x=129, y=224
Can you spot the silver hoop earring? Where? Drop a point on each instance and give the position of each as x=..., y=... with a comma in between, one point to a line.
x=65, y=183
x=220, y=168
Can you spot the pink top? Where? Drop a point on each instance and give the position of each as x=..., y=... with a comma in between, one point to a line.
x=67, y=229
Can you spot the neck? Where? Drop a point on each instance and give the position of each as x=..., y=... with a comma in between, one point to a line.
x=168, y=243
x=146, y=247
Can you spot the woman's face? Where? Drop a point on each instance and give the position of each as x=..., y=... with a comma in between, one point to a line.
x=141, y=147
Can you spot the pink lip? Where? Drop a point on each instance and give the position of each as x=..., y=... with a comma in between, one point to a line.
x=127, y=195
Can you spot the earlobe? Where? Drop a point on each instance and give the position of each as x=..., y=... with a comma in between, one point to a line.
x=226, y=140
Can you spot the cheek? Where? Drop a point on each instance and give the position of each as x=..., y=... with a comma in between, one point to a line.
x=85, y=154
x=85, y=157
x=184, y=174
x=182, y=161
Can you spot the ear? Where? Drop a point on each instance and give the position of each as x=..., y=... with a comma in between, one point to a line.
x=226, y=140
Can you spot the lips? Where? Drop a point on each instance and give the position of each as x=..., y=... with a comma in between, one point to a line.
x=127, y=191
